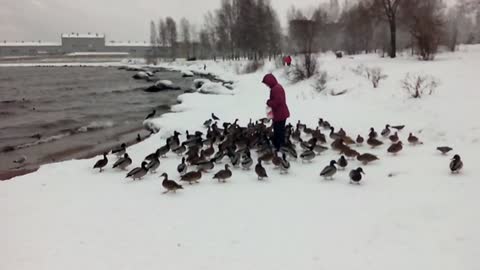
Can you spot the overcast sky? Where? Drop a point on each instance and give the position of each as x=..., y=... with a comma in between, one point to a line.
x=119, y=19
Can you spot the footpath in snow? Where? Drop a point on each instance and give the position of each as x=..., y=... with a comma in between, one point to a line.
x=410, y=212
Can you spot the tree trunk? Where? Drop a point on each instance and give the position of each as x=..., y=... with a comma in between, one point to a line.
x=393, y=37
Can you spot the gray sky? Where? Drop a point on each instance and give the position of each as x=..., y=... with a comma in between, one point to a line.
x=119, y=19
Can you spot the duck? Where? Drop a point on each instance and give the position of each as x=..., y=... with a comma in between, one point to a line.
x=170, y=185
x=277, y=161
x=359, y=140
x=324, y=124
x=210, y=150
x=386, y=131
x=267, y=157
x=306, y=145
x=413, y=139
x=342, y=133
x=366, y=158
x=330, y=170
x=192, y=177
x=284, y=165
x=394, y=138
x=290, y=151
x=456, y=164
x=349, y=153
x=333, y=135
x=153, y=165
x=163, y=151
x=373, y=133
x=308, y=155
x=214, y=117
x=247, y=161
x=206, y=165
x=399, y=127
x=235, y=159
x=296, y=135
x=207, y=123
x=123, y=163
x=260, y=170
x=395, y=148
x=138, y=172
x=319, y=149
x=223, y=175
x=342, y=162
x=373, y=142
x=151, y=115
x=153, y=155
x=120, y=151
x=101, y=163
x=182, y=167
x=180, y=149
x=444, y=149
x=356, y=175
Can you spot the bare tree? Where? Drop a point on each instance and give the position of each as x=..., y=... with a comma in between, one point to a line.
x=185, y=34
x=151, y=57
x=162, y=33
x=172, y=36
x=389, y=9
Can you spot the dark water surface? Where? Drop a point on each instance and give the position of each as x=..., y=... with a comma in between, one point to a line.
x=49, y=114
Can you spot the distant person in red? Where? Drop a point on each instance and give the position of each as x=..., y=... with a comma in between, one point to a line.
x=287, y=60
x=280, y=110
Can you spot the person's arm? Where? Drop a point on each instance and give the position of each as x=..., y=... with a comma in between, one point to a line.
x=273, y=101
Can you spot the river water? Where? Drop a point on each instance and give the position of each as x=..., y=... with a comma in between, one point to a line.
x=51, y=114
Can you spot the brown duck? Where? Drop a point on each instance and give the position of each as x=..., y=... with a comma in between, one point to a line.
x=366, y=158
x=413, y=139
x=394, y=138
x=350, y=153
x=260, y=170
x=395, y=148
x=192, y=177
x=374, y=142
x=359, y=140
x=342, y=162
x=223, y=175
x=170, y=185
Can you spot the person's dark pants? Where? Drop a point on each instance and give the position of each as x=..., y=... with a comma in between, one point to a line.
x=278, y=134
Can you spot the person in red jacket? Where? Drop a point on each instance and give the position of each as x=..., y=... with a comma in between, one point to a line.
x=280, y=111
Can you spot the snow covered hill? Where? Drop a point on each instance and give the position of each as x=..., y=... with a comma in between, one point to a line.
x=409, y=213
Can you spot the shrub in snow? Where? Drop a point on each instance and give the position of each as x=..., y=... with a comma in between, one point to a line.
x=339, y=54
x=320, y=81
x=215, y=89
x=251, y=66
x=305, y=68
x=418, y=85
x=187, y=73
x=359, y=70
x=141, y=75
x=197, y=83
x=375, y=74
x=165, y=83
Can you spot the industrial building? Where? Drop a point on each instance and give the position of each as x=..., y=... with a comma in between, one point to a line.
x=75, y=43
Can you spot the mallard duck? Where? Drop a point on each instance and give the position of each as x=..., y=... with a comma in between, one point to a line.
x=290, y=151
x=456, y=164
x=180, y=150
x=170, y=185
x=301, y=126
x=151, y=115
x=260, y=170
x=413, y=139
x=207, y=165
x=386, y=131
x=342, y=133
x=284, y=165
x=223, y=175
x=182, y=167
x=138, y=172
x=119, y=151
x=333, y=135
x=276, y=161
x=342, y=162
x=306, y=145
x=210, y=150
x=267, y=157
x=350, y=153
x=347, y=140
x=319, y=149
x=207, y=123
x=153, y=165
x=123, y=163
x=373, y=142
x=235, y=159
x=192, y=177
x=444, y=149
x=330, y=170
x=324, y=124
x=394, y=138
x=163, y=151
x=296, y=135
x=356, y=175
x=214, y=117
x=373, y=133
x=366, y=158
x=395, y=148
x=99, y=164
x=338, y=145
x=308, y=155
x=359, y=140
x=247, y=161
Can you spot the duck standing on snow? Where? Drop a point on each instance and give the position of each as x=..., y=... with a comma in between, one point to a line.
x=395, y=148
x=359, y=140
x=366, y=158
x=153, y=165
x=284, y=165
x=280, y=112
x=214, y=117
x=138, y=172
x=413, y=139
x=456, y=164
x=342, y=162
x=394, y=138
x=247, y=161
x=308, y=155
x=373, y=133
x=192, y=177
x=123, y=163
x=150, y=115
x=277, y=161
x=119, y=151
x=170, y=185
x=223, y=175
x=182, y=167
x=386, y=131
x=330, y=170
x=374, y=142
x=101, y=163
x=260, y=170
x=356, y=175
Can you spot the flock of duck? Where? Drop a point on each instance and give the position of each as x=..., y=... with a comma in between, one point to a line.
x=200, y=154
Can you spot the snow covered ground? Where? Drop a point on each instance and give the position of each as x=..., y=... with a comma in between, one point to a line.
x=67, y=216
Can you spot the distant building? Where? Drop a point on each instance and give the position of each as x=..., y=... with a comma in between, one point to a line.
x=79, y=43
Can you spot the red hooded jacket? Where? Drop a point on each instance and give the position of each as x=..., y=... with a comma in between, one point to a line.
x=277, y=99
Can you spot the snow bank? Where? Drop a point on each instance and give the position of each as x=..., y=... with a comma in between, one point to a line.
x=187, y=73
x=409, y=213
x=215, y=89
